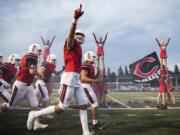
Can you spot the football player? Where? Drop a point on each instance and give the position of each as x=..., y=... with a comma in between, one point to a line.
x=46, y=70
x=22, y=87
x=7, y=77
x=70, y=81
x=88, y=78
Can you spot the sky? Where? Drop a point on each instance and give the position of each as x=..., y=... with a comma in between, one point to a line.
x=132, y=27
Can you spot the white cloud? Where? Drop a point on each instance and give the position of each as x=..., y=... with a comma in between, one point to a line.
x=132, y=26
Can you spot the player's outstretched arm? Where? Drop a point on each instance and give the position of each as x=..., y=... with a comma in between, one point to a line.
x=168, y=41
x=77, y=14
x=59, y=72
x=84, y=77
x=158, y=41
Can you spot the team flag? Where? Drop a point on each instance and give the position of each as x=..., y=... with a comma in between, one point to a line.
x=145, y=69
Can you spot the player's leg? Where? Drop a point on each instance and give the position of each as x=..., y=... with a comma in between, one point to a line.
x=81, y=99
x=43, y=92
x=94, y=104
x=65, y=97
x=31, y=97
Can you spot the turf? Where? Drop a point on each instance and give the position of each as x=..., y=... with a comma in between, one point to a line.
x=116, y=122
x=126, y=122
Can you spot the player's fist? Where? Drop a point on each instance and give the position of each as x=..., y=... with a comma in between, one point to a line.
x=78, y=12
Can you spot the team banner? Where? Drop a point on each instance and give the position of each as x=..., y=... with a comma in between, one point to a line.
x=145, y=69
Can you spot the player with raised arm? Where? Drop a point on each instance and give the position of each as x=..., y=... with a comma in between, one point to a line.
x=47, y=45
x=70, y=81
x=163, y=53
x=100, y=49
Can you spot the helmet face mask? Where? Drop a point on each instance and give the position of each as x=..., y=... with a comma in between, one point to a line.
x=90, y=56
x=14, y=59
x=79, y=36
x=35, y=48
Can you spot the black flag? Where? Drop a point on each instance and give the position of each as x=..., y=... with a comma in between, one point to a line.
x=145, y=69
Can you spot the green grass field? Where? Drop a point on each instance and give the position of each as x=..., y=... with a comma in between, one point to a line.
x=117, y=121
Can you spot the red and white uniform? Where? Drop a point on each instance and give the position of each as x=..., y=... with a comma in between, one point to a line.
x=41, y=83
x=23, y=87
x=91, y=96
x=100, y=50
x=8, y=74
x=70, y=80
x=163, y=53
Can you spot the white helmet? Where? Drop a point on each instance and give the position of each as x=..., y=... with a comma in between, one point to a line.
x=89, y=56
x=51, y=58
x=14, y=59
x=79, y=35
x=34, y=48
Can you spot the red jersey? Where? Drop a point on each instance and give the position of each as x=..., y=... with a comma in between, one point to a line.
x=73, y=57
x=8, y=72
x=28, y=61
x=89, y=68
x=50, y=68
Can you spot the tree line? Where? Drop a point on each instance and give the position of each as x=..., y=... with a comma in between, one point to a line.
x=111, y=75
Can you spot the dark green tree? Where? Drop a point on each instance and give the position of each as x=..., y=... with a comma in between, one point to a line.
x=126, y=70
x=176, y=70
x=120, y=71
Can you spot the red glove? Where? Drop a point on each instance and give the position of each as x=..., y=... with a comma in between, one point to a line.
x=78, y=12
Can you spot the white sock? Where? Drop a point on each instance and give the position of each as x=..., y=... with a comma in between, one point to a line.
x=84, y=121
x=95, y=122
x=45, y=111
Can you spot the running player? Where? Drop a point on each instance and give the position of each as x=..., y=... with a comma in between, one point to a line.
x=46, y=70
x=88, y=78
x=70, y=81
x=8, y=74
x=22, y=87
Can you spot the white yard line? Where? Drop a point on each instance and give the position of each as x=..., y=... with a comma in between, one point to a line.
x=108, y=109
x=147, y=106
x=117, y=101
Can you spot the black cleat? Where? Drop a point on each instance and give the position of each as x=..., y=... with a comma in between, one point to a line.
x=97, y=126
x=158, y=106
